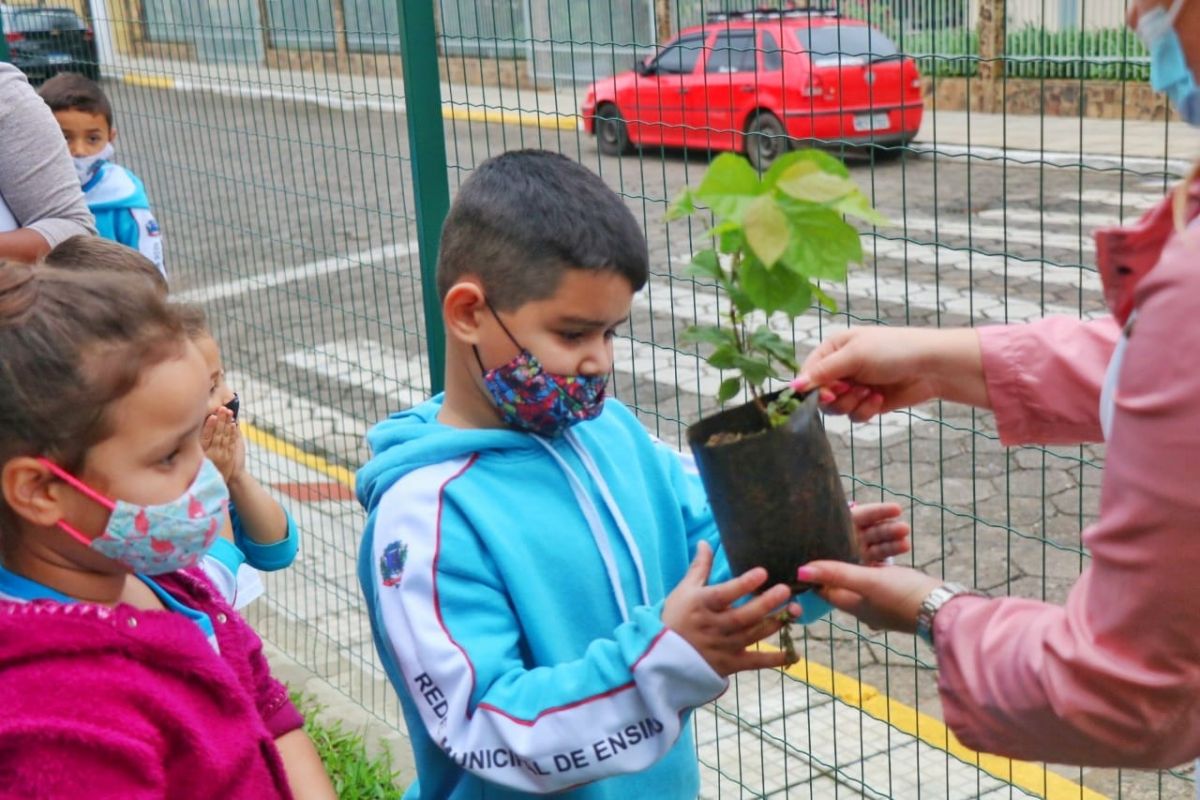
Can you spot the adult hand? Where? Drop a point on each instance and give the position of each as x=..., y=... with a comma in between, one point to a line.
x=704, y=616
x=881, y=532
x=886, y=598
x=867, y=371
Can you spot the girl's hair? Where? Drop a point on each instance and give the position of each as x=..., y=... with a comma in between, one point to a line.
x=93, y=253
x=72, y=343
x=193, y=319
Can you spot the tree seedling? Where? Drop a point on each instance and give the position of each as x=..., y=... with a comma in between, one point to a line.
x=774, y=236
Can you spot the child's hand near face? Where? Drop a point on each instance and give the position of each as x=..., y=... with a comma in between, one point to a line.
x=704, y=616
x=223, y=444
x=881, y=532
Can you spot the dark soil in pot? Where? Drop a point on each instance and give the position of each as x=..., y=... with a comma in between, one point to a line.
x=775, y=492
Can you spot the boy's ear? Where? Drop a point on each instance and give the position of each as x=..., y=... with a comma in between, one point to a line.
x=31, y=491
x=112, y=133
x=463, y=311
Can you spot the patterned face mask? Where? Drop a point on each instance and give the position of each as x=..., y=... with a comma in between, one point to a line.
x=87, y=166
x=234, y=405
x=156, y=539
x=534, y=400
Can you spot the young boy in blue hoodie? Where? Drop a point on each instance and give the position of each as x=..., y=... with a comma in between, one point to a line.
x=526, y=557
x=114, y=195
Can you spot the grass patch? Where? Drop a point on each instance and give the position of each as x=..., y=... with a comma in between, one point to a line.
x=355, y=772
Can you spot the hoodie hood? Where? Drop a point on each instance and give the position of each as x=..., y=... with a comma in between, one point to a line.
x=113, y=186
x=409, y=440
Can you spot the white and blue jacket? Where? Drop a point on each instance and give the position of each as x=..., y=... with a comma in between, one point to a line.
x=117, y=199
x=515, y=586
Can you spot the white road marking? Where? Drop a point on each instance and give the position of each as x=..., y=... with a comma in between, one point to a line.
x=367, y=364
x=315, y=269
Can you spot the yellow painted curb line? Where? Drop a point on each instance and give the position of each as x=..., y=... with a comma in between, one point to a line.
x=535, y=119
x=1021, y=774
x=1024, y=775
x=149, y=81
x=290, y=451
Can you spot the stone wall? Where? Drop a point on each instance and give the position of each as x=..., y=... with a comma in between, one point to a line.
x=1057, y=97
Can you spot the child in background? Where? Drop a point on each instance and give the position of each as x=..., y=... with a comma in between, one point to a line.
x=527, y=550
x=115, y=196
x=261, y=534
x=94, y=253
x=123, y=673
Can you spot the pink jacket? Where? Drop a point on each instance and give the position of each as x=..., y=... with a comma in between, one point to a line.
x=1113, y=677
x=103, y=702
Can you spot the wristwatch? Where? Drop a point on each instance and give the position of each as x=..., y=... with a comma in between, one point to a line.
x=934, y=601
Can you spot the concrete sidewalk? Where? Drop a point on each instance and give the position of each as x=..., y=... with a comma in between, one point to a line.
x=1170, y=146
x=807, y=732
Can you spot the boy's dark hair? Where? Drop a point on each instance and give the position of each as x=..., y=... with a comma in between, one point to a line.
x=70, y=91
x=524, y=217
x=93, y=253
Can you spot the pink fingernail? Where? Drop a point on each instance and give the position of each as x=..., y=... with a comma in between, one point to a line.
x=805, y=574
x=827, y=396
x=839, y=386
x=800, y=382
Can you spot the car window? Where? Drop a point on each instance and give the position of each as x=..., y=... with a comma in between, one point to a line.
x=31, y=21
x=733, y=51
x=772, y=55
x=831, y=45
x=680, y=57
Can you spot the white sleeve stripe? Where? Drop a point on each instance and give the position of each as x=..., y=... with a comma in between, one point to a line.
x=567, y=745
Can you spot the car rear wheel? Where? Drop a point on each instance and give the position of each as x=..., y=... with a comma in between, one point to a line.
x=766, y=139
x=612, y=135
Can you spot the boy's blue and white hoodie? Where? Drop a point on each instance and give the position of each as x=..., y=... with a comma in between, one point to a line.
x=515, y=586
x=117, y=199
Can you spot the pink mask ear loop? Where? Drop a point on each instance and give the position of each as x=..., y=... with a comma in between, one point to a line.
x=83, y=489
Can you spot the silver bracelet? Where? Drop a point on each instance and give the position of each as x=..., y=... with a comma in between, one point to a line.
x=934, y=601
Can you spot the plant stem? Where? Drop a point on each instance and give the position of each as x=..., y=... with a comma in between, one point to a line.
x=735, y=320
x=785, y=636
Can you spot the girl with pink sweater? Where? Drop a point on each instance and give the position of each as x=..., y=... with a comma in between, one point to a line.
x=122, y=671
x=1111, y=678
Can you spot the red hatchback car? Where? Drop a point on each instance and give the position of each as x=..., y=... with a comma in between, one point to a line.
x=760, y=82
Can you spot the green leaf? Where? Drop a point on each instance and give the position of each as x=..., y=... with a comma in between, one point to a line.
x=708, y=334
x=784, y=163
x=755, y=370
x=723, y=357
x=766, y=230
x=825, y=300
x=706, y=264
x=774, y=289
x=741, y=301
x=857, y=205
x=729, y=388
x=815, y=186
x=768, y=341
x=729, y=186
x=822, y=243
x=732, y=239
x=682, y=206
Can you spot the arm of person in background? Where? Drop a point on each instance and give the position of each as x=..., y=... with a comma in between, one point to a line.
x=37, y=180
x=1112, y=678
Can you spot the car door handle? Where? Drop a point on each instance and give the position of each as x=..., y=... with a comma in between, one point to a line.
x=747, y=90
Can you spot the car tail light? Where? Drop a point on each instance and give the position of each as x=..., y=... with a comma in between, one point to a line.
x=87, y=34
x=14, y=37
x=814, y=88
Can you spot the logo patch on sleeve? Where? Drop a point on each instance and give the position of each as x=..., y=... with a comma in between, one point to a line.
x=391, y=563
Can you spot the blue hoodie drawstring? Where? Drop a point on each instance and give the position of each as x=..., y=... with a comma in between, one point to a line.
x=592, y=515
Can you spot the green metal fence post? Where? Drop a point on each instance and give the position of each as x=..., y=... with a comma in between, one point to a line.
x=427, y=146
x=3, y=41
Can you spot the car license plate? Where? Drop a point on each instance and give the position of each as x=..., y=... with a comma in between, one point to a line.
x=871, y=122
x=59, y=58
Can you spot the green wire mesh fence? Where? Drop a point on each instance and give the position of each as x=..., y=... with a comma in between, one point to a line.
x=294, y=166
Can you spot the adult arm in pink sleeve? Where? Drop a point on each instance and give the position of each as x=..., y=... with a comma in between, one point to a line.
x=1112, y=678
x=1044, y=378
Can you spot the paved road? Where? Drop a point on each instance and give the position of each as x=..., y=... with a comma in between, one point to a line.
x=294, y=224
